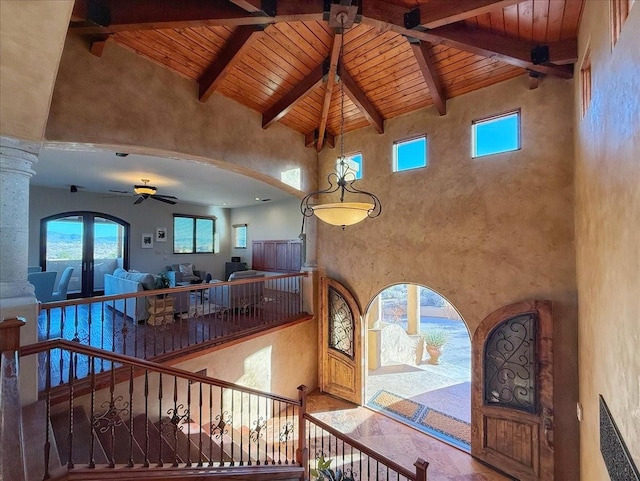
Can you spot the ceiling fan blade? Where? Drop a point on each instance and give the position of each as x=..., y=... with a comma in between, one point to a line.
x=139, y=200
x=162, y=199
x=119, y=191
x=166, y=196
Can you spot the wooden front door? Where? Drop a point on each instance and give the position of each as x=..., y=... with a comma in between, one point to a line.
x=512, y=396
x=341, y=342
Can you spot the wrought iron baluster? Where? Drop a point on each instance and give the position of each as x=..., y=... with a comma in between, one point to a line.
x=160, y=462
x=200, y=463
x=130, y=417
x=175, y=421
x=279, y=430
x=146, y=418
x=189, y=464
x=112, y=427
x=273, y=431
x=89, y=321
x=241, y=426
x=92, y=415
x=211, y=424
x=221, y=433
x=47, y=441
x=70, y=434
x=249, y=426
x=233, y=459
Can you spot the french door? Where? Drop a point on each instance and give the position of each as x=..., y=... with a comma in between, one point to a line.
x=512, y=394
x=91, y=243
x=341, y=342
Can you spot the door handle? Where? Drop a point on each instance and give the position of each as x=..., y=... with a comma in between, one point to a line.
x=547, y=427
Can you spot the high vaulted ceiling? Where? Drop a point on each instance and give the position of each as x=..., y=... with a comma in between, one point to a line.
x=281, y=57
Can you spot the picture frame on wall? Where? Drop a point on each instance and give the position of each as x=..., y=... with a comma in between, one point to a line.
x=161, y=234
x=147, y=241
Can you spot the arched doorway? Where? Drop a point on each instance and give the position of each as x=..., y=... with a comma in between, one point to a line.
x=403, y=380
x=92, y=243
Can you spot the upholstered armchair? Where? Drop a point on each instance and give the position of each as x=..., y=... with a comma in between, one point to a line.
x=183, y=273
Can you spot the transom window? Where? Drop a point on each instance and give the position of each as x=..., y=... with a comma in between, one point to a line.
x=410, y=154
x=193, y=234
x=240, y=236
x=496, y=134
x=354, y=163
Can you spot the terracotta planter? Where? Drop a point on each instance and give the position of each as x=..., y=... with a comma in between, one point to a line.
x=434, y=354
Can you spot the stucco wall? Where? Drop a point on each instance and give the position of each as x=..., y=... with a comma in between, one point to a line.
x=123, y=99
x=32, y=35
x=608, y=234
x=482, y=232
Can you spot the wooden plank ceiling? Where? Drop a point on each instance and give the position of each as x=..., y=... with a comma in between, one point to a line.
x=281, y=57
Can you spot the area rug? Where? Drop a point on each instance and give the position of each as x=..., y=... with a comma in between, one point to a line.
x=430, y=421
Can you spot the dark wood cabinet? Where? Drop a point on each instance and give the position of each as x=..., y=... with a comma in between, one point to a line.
x=277, y=255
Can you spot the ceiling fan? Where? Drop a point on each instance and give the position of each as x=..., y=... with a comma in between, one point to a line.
x=146, y=191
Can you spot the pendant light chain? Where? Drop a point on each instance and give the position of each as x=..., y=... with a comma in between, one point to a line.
x=340, y=63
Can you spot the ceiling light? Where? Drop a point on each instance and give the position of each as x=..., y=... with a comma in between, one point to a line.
x=144, y=189
x=342, y=213
x=257, y=198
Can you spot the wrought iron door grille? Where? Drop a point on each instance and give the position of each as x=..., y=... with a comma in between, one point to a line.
x=510, y=364
x=341, y=324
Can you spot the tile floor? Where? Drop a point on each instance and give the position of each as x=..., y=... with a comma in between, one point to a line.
x=399, y=442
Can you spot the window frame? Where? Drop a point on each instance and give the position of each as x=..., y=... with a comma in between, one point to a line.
x=360, y=164
x=517, y=112
x=194, y=233
x=236, y=227
x=397, y=143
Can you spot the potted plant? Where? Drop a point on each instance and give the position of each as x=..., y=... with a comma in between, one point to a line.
x=162, y=281
x=434, y=339
x=325, y=473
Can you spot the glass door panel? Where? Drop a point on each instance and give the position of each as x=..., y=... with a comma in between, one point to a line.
x=108, y=250
x=64, y=248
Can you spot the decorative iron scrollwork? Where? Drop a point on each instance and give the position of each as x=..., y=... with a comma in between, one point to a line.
x=258, y=429
x=510, y=364
x=341, y=324
x=113, y=415
x=176, y=418
x=219, y=429
x=286, y=432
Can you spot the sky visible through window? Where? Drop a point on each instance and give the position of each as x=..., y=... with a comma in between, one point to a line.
x=410, y=154
x=354, y=162
x=496, y=135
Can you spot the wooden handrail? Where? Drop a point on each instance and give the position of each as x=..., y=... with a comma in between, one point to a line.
x=142, y=364
x=362, y=448
x=168, y=290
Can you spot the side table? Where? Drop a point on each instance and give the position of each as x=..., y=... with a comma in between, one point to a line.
x=160, y=310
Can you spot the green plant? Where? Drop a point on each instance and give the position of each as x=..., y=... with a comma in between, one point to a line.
x=435, y=337
x=162, y=281
x=323, y=472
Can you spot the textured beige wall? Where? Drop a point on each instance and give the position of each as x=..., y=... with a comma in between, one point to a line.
x=126, y=100
x=32, y=35
x=277, y=362
x=608, y=234
x=483, y=232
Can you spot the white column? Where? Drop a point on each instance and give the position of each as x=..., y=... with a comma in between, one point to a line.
x=17, y=297
x=413, y=309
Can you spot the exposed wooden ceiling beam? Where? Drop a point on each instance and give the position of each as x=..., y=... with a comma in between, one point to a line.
x=311, y=139
x=251, y=6
x=124, y=15
x=328, y=92
x=229, y=56
x=421, y=52
x=293, y=97
x=437, y=13
x=509, y=50
x=358, y=97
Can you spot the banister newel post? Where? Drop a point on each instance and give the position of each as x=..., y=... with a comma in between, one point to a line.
x=421, y=469
x=303, y=451
x=10, y=333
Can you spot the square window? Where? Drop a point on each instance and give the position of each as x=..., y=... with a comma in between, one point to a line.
x=410, y=154
x=194, y=235
x=240, y=236
x=495, y=135
x=354, y=165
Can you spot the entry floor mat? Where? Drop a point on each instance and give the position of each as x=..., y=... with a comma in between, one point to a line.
x=430, y=421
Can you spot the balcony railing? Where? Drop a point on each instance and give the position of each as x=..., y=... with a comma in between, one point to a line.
x=164, y=323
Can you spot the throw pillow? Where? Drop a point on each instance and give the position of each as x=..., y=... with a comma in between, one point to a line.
x=186, y=269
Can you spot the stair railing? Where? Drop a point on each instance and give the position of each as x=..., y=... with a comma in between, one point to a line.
x=165, y=323
x=162, y=417
x=331, y=449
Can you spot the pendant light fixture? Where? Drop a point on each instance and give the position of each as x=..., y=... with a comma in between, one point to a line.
x=360, y=204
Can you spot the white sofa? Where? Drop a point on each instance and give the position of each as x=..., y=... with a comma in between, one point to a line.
x=123, y=282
